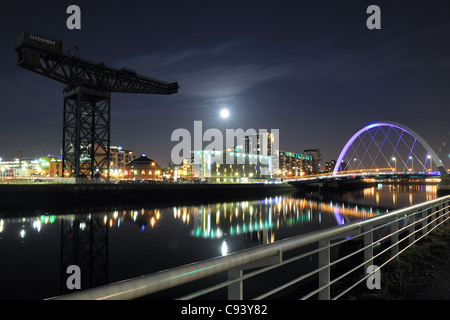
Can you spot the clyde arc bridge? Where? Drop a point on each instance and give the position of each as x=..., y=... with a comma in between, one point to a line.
x=385, y=149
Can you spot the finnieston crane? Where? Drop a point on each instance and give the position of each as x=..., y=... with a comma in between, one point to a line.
x=87, y=99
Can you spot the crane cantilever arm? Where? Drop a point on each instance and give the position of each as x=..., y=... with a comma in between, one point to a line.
x=34, y=54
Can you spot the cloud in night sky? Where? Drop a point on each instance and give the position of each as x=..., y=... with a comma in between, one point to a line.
x=201, y=76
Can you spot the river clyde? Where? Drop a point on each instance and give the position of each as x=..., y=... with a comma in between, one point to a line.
x=115, y=244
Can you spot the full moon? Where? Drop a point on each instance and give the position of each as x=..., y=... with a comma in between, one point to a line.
x=224, y=113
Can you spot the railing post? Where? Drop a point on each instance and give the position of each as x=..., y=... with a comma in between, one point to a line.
x=324, y=275
x=394, y=237
x=433, y=216
x=235, y=290
x=368, y=245
x=441, y=212
x=448, y=209
x=437, y=215
x=412, y=230
x=424, y=217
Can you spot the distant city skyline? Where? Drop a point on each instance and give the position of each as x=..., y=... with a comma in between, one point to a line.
x=313, y=70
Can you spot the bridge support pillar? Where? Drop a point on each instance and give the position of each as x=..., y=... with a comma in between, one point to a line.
x=444, y=185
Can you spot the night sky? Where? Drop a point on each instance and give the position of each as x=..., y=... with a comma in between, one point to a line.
x=311, y=69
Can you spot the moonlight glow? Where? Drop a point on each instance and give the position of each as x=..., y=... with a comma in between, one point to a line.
x=224, y=113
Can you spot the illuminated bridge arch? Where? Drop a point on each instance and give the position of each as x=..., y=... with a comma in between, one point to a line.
x=387, y=146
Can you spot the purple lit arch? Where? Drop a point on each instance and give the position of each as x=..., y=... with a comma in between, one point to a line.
x=401, y=127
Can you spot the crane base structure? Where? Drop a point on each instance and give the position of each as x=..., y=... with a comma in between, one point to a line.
x=86, y=132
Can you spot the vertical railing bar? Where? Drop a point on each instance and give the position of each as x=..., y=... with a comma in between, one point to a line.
x=440, y=211
x=424, y=218
x=368, y=243
x=324, y=275
x=236, y=289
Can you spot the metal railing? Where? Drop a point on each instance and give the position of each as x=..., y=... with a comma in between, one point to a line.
x=379, y=239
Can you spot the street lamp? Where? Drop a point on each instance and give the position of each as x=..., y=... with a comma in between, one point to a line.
x=395, y=163
x=412, y=164
x=431, y=162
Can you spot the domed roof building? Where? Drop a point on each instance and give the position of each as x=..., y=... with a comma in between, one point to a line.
x=144, y=168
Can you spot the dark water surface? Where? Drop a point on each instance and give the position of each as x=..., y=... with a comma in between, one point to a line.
x=117, y=244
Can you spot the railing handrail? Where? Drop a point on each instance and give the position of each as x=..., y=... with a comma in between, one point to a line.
x=155, y=282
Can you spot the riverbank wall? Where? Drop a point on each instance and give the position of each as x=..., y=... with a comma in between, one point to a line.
x=66, y=195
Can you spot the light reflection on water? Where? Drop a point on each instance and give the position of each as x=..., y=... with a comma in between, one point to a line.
x=239, y=218
x=119, y=244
